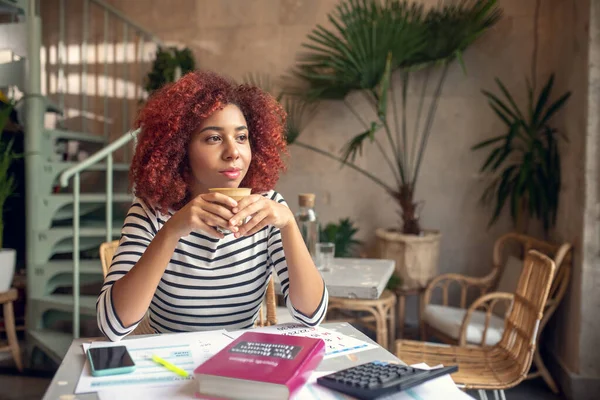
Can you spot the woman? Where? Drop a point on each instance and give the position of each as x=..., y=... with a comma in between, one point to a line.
x=205, y=132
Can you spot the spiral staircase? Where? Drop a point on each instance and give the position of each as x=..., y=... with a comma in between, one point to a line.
x=77, y=83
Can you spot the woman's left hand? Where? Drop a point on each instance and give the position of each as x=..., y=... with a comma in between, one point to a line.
x=264, y=212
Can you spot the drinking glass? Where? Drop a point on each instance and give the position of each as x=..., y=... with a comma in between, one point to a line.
x=325, y=252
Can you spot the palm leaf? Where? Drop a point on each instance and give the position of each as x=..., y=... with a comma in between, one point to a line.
x=542, y=100
x=503, y=192
x=384, y=87
x=355, y=145
x=491, y=158
x=493, y=99
x=554, y=108
x=510, y=99
x=299, y=113
x=353, y=54
x=487, y=142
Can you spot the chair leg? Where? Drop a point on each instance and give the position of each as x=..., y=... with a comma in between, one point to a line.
x=423, y=331
x=392, y=314
x=502, y=395
x=539, y=364
x=11, y=333
x=381, y=326
x=482, y=394
x=496, y=395
x=401, y=310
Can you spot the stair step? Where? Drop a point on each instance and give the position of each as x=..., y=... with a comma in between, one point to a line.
x=93, y=197
x=67, y=213
x=60, y=166
x=63, y=134
x=55, y=274
x=84, y=231
x=90, y=238
x=64, y=302
x=96, y=167
x=54, y=344
x=89, y=202
x=18, y=4
x=65, y=266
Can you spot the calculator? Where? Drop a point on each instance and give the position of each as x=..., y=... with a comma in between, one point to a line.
x=377, y=379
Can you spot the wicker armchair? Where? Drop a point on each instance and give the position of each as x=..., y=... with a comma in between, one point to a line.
x=107, y=252
x=505, y=364
x=480, y=324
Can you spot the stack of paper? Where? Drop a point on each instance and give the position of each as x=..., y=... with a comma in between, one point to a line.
x=186, y=351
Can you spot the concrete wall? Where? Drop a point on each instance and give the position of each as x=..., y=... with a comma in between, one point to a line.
x=589, y=356
x=568, y=51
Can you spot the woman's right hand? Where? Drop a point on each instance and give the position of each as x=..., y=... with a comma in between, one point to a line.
x=204, y=212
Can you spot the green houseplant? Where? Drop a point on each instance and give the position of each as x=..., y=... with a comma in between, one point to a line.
x=524, y=163
x=169, y=63
x=342, y=234
x=377, y=48
x=7, y=189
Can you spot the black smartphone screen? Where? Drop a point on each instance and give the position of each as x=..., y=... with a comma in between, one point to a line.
x=110, y=357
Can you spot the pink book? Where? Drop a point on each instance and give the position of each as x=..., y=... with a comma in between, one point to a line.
x=260, y=366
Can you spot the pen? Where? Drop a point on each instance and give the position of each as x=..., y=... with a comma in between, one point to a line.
x=169, y=366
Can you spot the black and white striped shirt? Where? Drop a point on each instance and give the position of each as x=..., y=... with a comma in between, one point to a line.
x=209, y=283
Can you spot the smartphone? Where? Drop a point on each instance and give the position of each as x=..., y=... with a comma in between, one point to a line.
x=110, y=360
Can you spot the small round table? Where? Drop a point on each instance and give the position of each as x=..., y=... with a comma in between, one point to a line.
x=382, y=315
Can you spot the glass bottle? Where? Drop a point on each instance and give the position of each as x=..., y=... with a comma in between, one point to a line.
x=308, y=222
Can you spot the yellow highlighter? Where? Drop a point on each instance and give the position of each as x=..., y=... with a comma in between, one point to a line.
x=169, y=366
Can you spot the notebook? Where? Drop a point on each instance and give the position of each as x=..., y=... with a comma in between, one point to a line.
x=260, y=365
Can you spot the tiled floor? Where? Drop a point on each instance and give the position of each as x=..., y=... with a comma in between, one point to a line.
x=22, y=388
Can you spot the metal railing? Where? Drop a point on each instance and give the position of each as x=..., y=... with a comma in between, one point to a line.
x=75, y=173
x=133, y=36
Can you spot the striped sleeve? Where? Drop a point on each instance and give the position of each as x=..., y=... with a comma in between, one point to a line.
x=277, y=260
x=138, y=230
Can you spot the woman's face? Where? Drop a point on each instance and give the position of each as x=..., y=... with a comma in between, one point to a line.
x=219, y=151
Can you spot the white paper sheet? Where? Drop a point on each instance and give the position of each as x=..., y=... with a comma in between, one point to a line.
x=186, y=351
x=337, y=344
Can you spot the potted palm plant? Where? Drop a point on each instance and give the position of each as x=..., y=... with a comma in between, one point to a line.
x=523, y=164
x=369, y=42
x=7, y=189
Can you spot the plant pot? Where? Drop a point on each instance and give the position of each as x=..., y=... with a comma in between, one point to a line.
x=416, y=257
x=7, y=268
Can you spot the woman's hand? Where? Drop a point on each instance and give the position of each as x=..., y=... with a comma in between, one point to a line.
x=204, y=212
x=263, y=211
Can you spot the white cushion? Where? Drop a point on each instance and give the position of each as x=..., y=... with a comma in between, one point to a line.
x=448, y=320
x=508, y=283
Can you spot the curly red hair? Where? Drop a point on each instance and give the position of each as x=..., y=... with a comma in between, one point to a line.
x=160, y=163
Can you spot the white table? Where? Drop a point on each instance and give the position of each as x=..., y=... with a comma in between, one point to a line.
x=64, y=382
x=356, y=278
